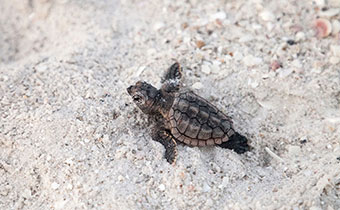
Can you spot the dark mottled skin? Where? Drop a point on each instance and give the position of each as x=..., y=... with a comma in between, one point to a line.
x=184, y=116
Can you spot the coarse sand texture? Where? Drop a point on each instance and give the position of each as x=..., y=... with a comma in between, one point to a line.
x=72, y=138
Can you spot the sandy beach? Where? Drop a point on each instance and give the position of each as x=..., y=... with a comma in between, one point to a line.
x=72, y=138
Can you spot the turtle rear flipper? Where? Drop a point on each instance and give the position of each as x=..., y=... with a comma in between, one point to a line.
x=238, y=143
x=172, y=78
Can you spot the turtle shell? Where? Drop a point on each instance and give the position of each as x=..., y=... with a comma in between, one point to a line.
x=196, y=122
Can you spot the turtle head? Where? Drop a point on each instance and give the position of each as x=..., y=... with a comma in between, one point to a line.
x=145, y=96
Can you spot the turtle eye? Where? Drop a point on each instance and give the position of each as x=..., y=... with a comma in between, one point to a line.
x=137, y=99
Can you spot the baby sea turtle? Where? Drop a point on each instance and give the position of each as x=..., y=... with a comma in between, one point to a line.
x=183, y=116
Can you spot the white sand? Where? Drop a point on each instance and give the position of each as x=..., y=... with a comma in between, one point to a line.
x=70, y=137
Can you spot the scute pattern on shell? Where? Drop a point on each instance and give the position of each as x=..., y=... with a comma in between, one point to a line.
x=196, y=122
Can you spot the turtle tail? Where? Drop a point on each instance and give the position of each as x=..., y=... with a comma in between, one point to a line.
x=238, y=143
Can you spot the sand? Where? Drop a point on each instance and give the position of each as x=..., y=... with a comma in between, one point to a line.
x=71, y=138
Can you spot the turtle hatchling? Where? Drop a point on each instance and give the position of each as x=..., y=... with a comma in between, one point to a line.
x=183, y=116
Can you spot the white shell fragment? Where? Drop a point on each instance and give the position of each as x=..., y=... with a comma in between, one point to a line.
x=333, y=3
x=329, y=12
x=161, y=187
x=55, y=185
x=267, y=16
x=335, y=27
x=335, y=49
x=250, y=60
x=158, y=25
x=334, y=60
x=320, y=3
x=219, y=15
x=300, y=36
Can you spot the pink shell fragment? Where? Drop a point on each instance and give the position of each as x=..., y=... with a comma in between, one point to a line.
x=275, y=65
x=323, y=27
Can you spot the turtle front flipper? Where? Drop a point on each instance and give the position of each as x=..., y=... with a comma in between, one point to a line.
x=172, y=78
x=169, y=143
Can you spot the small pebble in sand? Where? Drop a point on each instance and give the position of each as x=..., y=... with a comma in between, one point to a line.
x=184, y=25
x=69, y=186
x=253, y=83
x=296, y=63
x=197, y=85
x=291, y=42
x=237, y=55
x=200, y=44
x=323, y=27
x=300, y=36
x=48, y=157
x=205, y=69
x=303, y=141
x=55, y=185
x=215, y=68
x=120, y=178
x=285, y=72
x=161, y=187
x=225, y=182
x=206, y=187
